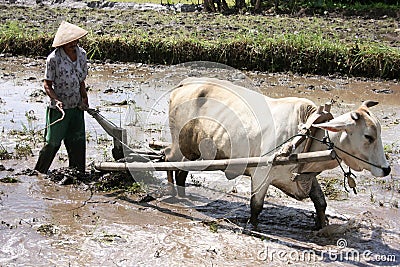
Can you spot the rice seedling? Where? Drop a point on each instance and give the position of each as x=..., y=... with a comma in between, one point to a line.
x=9, y=180
x=23, y=151
x=4, y=154
x=136, y=187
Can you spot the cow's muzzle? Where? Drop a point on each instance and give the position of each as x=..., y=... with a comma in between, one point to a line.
x=386, y=171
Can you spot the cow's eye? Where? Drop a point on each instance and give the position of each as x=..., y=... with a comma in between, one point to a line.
x=369, y=138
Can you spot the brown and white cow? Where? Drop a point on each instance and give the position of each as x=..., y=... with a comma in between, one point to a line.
x=215, y=119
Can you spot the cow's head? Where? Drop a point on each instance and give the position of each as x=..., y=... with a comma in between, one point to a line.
x=360, y=135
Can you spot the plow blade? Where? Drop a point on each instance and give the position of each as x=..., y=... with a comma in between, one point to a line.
x=117, y=133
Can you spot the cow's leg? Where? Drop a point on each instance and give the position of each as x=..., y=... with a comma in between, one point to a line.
x=171, y=156
x=259, y=187
x=171, y=187
x=318, y=198
x=180, y=177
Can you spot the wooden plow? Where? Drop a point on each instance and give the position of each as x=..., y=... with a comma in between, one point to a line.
x=214, y=165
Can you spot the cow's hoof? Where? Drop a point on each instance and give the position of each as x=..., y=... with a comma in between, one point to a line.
x=321, y=223
x=253, y=221
x=171, y=191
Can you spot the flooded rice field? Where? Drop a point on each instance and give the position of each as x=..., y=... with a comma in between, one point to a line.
x=44, y=223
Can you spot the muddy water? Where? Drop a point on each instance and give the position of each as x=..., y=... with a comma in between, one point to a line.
x=43, y=223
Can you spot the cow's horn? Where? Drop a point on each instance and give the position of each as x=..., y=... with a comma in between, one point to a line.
x=354, y=115
x=369, y=103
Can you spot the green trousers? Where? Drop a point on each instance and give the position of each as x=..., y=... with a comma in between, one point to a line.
x=72, y=130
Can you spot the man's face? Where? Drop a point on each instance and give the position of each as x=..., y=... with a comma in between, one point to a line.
x=71, y=46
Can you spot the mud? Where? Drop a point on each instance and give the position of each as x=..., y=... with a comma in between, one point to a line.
x=46, y=223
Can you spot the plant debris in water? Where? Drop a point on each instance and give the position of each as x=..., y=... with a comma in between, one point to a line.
x=102, y=181
x=9, y=180
x=67, y=176
x=48, y=229
x=4, y=154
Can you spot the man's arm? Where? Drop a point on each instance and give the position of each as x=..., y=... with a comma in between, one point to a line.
x=85, y=100
x=48, y=87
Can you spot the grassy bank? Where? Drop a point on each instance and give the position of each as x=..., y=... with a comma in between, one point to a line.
x=320, y=45
x=296, y=53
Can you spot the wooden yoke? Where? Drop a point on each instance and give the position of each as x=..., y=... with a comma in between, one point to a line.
x=323, y=114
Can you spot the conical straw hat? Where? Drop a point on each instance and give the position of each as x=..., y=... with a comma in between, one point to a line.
x=66, y=33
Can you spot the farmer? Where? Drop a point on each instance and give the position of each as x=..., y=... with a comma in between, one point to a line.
x=64, y=82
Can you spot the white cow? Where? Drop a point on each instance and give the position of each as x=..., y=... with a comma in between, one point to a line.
x=215, y=119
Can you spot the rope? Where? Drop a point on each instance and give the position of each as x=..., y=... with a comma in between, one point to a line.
x=326, y=140
x=58, y=120
x=51, y=124
x=360, y=159
x=54, y=122
x=284, y=142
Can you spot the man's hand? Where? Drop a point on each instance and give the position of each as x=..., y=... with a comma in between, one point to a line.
x=85, y=104
x=59, y=105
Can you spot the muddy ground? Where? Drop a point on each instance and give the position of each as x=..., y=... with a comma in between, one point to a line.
x=44, y=223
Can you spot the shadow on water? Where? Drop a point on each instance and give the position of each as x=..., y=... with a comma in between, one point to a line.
x=292, y=228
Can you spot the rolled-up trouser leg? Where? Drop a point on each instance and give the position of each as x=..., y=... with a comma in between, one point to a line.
x=76, y=150
x=46, y=156
x=54, y=135
x=75, y=140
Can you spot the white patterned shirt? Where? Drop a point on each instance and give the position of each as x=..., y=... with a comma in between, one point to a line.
x=66, y=76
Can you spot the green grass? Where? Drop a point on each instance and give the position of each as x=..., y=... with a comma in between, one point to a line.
x=156, y=1
x=305, y=45
x=328, y=4
x=189, y=2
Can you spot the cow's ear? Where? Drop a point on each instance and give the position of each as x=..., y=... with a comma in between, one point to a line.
x=330, y=127
x=341, y=123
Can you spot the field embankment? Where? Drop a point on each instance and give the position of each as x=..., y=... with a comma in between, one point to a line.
x=328, y=44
